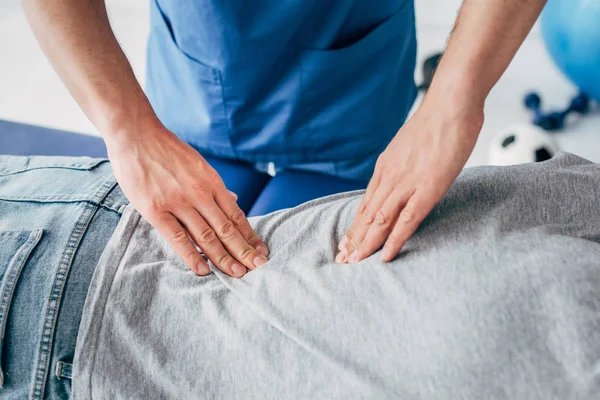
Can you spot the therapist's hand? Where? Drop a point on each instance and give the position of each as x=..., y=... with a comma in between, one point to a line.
x=184, y=198
x=427, y=154
x=411, y=176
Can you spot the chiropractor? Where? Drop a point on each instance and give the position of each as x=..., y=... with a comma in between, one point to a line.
x=299, y=85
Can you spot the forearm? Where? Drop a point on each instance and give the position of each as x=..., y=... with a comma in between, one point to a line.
x=486, y=36
x=77, y=39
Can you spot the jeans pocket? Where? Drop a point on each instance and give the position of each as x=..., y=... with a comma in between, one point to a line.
x=15, y=248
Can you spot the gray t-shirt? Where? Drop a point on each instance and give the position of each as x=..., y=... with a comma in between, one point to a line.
x=496, y=296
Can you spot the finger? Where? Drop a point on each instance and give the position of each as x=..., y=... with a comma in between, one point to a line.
x=384, y=223
x=230, y=236
x=346, y=245
x=235, y=214
x=371, y=214
x=235, y=196
x=206, y=238
x=411, y=216
x=178, y=238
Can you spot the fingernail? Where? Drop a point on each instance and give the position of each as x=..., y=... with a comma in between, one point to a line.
x=344, y=255
x=238, y=270
x=203, y=269
x=353, y=257
x=260, y=260
x=341, y=257
x=343, y=242
x=385, y=254
x=262, y=249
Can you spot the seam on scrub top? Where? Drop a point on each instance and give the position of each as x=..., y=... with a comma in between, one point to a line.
x=226, y=113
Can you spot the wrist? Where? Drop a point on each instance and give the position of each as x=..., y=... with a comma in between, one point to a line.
x=457, y=91
x=453, y=107
x=127, y=129
x=120, y=116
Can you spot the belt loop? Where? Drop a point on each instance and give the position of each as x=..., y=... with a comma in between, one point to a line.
x=64, y=370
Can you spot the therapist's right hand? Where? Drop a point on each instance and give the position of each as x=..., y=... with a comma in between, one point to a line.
x=185, y=199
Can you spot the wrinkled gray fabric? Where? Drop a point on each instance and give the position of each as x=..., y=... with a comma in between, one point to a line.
x=497, y=296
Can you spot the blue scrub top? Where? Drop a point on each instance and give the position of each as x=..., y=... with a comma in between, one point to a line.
x=308, y=84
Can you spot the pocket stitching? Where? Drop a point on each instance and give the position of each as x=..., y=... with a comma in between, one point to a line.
x=12, y=275
x=166, y=24
x=87, y=166
x=15, y=269
x=361, y=42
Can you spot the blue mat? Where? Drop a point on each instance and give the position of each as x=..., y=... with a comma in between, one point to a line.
x=29, y=140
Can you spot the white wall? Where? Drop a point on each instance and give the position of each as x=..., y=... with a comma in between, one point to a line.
x=31, y=92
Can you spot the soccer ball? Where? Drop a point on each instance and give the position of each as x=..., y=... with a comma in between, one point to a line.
x=519, y=144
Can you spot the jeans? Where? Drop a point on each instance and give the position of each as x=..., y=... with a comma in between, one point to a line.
x=56, y=216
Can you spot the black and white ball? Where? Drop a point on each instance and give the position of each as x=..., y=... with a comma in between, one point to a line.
x=519, y=144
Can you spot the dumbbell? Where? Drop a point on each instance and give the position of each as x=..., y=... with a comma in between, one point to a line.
x=555, y=120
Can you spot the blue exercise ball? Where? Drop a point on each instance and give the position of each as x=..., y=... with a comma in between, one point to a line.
x=571, y=30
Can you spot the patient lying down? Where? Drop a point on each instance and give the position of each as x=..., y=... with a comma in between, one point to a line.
x=496, y=296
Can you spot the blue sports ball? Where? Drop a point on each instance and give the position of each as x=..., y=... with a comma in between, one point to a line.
x=571, y=30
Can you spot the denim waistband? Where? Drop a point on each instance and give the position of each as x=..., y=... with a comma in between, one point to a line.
x=55, y=179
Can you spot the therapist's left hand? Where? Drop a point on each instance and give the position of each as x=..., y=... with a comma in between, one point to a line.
x=411, y=176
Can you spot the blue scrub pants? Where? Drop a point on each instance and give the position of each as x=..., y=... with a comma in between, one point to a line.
x=258, y=193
